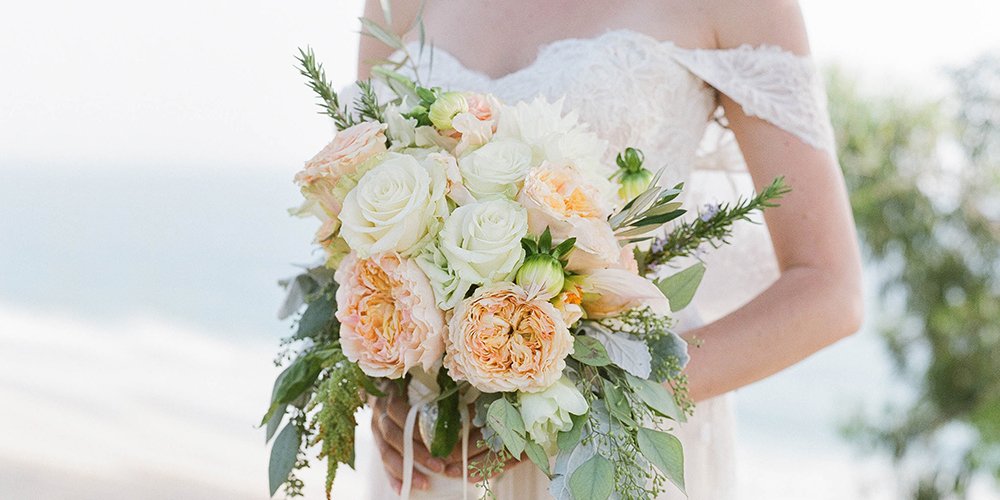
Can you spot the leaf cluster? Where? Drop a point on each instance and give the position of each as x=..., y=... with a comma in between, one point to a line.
x=712, y=228
x=647, y=212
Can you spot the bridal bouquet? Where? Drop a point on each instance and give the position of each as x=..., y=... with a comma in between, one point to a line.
x=481, y=255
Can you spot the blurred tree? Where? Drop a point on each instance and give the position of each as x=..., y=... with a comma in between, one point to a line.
x=924, y=189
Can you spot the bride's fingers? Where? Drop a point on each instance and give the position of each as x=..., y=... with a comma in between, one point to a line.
x=393, y=462
x=456, y=455
x=397, y=408
x=455, y=469
x=393, y=436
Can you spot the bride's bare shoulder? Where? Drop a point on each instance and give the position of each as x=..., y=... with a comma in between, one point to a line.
x=759, y=22
x=403, y=14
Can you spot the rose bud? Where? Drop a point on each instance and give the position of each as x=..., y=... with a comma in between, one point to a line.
x=446, y=107
x=541, y=276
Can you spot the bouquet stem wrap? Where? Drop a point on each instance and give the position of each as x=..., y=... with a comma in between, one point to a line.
x=421, y=395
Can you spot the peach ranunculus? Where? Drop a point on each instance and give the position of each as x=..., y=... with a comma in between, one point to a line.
x=389, y=322
x=557, y=196
x=351, y=147
x=501, y=341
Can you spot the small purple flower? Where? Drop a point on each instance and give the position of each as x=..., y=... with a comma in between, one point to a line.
x=710, y=210
x=698, y=252
x=657, y=246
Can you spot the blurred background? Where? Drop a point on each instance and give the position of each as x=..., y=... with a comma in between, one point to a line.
x=146, y=157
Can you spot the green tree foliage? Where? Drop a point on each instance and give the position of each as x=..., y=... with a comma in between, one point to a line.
x=924, y=189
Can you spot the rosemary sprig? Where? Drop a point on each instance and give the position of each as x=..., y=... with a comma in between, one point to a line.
x=319, y=84
x=712, y=227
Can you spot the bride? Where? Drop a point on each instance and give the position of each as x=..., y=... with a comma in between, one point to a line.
x=651, y=75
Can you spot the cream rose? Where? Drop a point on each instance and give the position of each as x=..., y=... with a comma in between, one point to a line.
x=482, y=241
x=501, y=341
x=388, y=321
x=496, y=169
x=397, y=206
x=351, y=147
x=547, y=413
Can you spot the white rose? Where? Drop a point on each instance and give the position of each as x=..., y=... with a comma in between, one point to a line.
x=396, y=206
x=548, y=412
x=497, y=168
x=482, y=241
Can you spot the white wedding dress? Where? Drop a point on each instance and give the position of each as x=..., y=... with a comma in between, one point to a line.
x=636, y=91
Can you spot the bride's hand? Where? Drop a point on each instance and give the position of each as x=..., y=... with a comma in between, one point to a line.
x=388, y=419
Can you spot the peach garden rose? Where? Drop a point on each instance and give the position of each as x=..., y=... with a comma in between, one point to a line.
x=557, y=196
x=501, y=341
x=351, y=147
x=389, y=322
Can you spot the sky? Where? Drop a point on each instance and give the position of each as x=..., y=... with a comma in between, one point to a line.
x=180, y=85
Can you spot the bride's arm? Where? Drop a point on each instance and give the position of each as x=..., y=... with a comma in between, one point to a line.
x=818, y=298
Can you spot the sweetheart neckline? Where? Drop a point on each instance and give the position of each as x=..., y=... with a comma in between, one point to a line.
x=547, y=47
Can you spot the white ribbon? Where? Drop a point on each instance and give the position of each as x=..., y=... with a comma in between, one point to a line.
x=411, y=419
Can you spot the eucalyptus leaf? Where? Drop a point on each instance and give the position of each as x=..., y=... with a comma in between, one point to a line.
x=567, y=461
x=283, y=454
x=568, y=439
x=298, y=288
x=275, y=421
x=665, y=452
x=593, y=480
x=635, y=231
x=661, y=208
x=659, y=220
x=616, y=403
x=381, y=34
x=299, y=378
x=507, y=422
x=386, y=11
x=316, y=316
x=590, y=351
x=538, y=456
x=657, y=397
x=679, y=288
x=629, y=354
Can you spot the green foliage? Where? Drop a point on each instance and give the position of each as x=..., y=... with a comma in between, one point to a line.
x=338, y=397
x=506, y=421
x=448, y=423
x=711, y=227
x=927, y=228
x=590, y=351
x=679, y=288
x=312, y=70
x=593, y=480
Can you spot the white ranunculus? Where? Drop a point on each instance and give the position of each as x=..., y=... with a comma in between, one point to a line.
x=397, y=206
x=401, y=130
x=548, y=412
x=497, y=168
x=531, y=123
x=482, y=241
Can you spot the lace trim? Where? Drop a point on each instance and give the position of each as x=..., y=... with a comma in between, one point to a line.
x=769, y=83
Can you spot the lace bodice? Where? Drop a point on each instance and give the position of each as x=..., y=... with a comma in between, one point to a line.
x=636, y=91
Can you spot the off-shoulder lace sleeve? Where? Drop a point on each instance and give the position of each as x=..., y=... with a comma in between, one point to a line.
x=770, y=83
